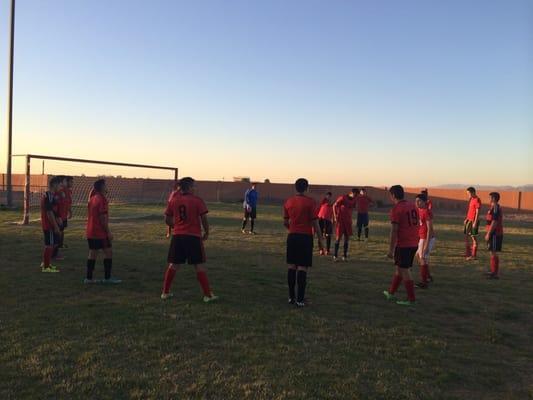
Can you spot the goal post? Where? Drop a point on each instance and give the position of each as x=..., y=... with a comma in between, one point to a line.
x=27, y=200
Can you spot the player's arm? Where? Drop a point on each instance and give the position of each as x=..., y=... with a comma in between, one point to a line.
x=316, y=227
x=104, y=222
x=205, y=226
x=335, y=211
x=169, y=220
x=476, y=217
x=429, y=235
x=393, y=239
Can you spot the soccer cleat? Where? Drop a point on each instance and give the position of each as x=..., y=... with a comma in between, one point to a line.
x=335, y=259
x=345, y=259
x=300, y=304
x=209, y=299
x=292, y=301
x=389, y=296
x=407, y=303
x=112, y=281
x=328, y=252
x=430, y=279
x=422, y=285
x=243, y=231
x=252, y=232
x=470, y=258
x=89, y=281
x=166, y=296
x=50, y=269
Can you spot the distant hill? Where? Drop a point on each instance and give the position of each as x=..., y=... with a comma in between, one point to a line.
x=523, y=188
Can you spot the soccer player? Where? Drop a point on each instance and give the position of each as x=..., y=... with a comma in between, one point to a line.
x=429, y=203
x=187, y=214
x=494, y=235
x=99, y=237
x=427, y=239
x=342, y=217
x=363, y=202
x=300, y=218
x=64, y=201
x=49, y=223
x=325, y=213
x=170, y=196
x=250, y=208
x=471, y=224
x=403, y=244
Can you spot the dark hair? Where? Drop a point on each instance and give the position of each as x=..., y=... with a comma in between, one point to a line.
x=397, y=192
x=363, y=189
x=54, y=181
x=185, y=184
x=99, y=185
x=61, y=178
x=422, y=196
x=355, y=190
x=70, y=178
x=425, y=191
x=495, y=196
x=301, y=185
x=471, y=190
x=328, y=194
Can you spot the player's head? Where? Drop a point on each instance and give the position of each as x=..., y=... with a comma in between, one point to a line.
x=100, y=186
x=471, y=191
x=421, y=200
x=396, y=193
x=54, y=183
x=352, y=193
x=494, y=197
x=362, y=191
x=301, y=185
x=70, y=181
x=62, y=180
x=328, y=195
x=186, y=185
x=254, y=184
x=424, y=191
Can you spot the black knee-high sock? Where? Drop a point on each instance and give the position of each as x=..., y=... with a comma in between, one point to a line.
x=244, y=221
x=252, y=223
x=90, y=268
x=345, y=248
x=301, y=277
x=337, y=244
x=291, y=280
x=359, y=228
x=108, y=264
x=366, y=232
x=328, y=242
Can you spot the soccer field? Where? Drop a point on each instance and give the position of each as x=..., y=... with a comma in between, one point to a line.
x=467, y=337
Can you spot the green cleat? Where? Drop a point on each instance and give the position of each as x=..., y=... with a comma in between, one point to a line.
x=50, y=269
x=389, y=296
x=405, y=303
x=209, y=299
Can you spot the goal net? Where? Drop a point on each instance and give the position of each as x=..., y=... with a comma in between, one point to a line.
x=134, y=190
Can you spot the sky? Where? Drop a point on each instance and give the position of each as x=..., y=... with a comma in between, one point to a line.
x=417, y=92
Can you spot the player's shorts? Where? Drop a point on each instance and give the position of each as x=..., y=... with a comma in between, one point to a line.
x=404, y=256
x=50, y=238
x=495, y=243
x=251, y=213
x=326, y=226
x=186, y=249
x=343, y=228
x=99, y=244
x=300, y=249
x=421, y=243
x=362, y=219
x=471, y=229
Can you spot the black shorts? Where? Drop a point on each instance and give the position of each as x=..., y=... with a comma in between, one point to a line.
x=250, y=214
x=50, y=238
x=471, y=229
x=325, y=226
x=186, y=249
x=300, y=249
x=495, y=242
x=99, y=244
x=404, y=256
x=362, y=219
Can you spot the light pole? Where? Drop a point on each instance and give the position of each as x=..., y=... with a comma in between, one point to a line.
x=10, y=107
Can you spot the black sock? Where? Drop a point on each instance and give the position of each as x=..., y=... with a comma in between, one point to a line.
x=90, y=268
x=366, y=232
x=337, y=244
x=345, y=248
x=56, y=250
x=328, y=242
x=291, y=280
x=301, y=277
x=244, y=223
x=108, y=263
x=252, y=223
x=359, y=232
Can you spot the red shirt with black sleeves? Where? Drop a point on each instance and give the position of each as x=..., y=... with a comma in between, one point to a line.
x=48, y=203
x=405, y=215
x=186, y=210
x=301, y=211
x=97, y=207
x=495, y=214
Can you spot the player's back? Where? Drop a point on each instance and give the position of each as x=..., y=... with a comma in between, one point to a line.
x=186, y=209
x=301, y=212
x=405, y=215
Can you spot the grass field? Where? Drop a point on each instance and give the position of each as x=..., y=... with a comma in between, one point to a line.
x=467, y=338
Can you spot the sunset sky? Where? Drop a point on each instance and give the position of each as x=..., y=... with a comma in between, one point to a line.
x=368, y=92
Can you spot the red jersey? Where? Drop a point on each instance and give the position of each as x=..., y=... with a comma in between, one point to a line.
x=97, y=207
x=495, y=214
x=474, y=204
x=344, y=207
x=301, y=211
x=363, y=202
x=326, y=210
x=186, y=210
x=63, y=203
x=424, y=215
x=48, y=203
x=405, y=215
x=429, y=205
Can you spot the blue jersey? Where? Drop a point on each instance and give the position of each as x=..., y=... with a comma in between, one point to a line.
x=250, y=198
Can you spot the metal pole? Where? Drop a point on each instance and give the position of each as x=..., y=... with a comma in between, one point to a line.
x=27, y=193
x=10, y=107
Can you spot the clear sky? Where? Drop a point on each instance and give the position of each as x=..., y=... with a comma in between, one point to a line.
x=357, y=92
